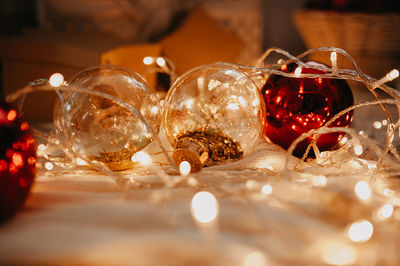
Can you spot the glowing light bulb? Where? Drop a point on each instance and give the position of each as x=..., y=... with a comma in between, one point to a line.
x=333, y=56
x=377, y=125
x=362, y=190
x=192, y=181
x=242, y=101
x=160, y=61
x=319, y=181
x=388, y=77
x=338, y=254
x=142, y=158
x=372, y=166
x=189, y=103
x=388, y=192
x=360, y=231
x=386, y=211
x=233, y=106
x=396, y=214
x=184, y=168
x=49, y=166
x=148, y=60
x=395, y=201
x=41, y=147
x=394, y=74
x=56, y=80
x=11, y=115
x=255, y=258
x=358, y=150
x=334, y=63
x=269, y=167
x=356, y=164
x=154, y=110
x=255, y=102
x=344, y=140
x=204, y=207
x=24, y=126
x=252, y=184
x=80, y=161
x=267, y=189
x=297, y=72
x=200, y=83
x=280, y=61
x=18, y=159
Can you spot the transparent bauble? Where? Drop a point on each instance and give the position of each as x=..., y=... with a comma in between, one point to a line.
x=213, y=114
x=100, y=128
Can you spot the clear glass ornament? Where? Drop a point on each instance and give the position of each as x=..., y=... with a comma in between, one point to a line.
x=100, y=129
x=213, y=114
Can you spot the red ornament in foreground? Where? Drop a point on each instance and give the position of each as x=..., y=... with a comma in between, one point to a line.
x=17, y=161
x=296, y=105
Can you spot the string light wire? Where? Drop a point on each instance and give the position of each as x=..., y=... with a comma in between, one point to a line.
x=307, y=189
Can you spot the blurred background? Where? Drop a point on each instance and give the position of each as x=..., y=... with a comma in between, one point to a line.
x=40, y=37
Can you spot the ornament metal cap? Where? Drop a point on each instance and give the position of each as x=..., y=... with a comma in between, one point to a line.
x=195, y=159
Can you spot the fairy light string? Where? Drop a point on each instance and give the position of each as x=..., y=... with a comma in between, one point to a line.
x=160, y=65
x=349, y=192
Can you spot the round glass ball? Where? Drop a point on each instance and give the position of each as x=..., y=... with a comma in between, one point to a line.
x=213, y=114
x=101, y=128
x=297, y=105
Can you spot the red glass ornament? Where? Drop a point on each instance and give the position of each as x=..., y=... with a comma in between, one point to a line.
x=17, y=161
x=296, y=105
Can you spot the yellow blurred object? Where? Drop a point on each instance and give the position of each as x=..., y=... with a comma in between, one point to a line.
x=131, y=57
x=200, y=41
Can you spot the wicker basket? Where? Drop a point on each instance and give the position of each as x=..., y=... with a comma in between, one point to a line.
x=372, y=39
x=243, y=18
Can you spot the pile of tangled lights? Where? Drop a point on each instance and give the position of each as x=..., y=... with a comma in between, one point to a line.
x=345, y=202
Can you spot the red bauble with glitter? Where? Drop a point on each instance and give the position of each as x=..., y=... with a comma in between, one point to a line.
x=17, y=161
x=296, y=105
